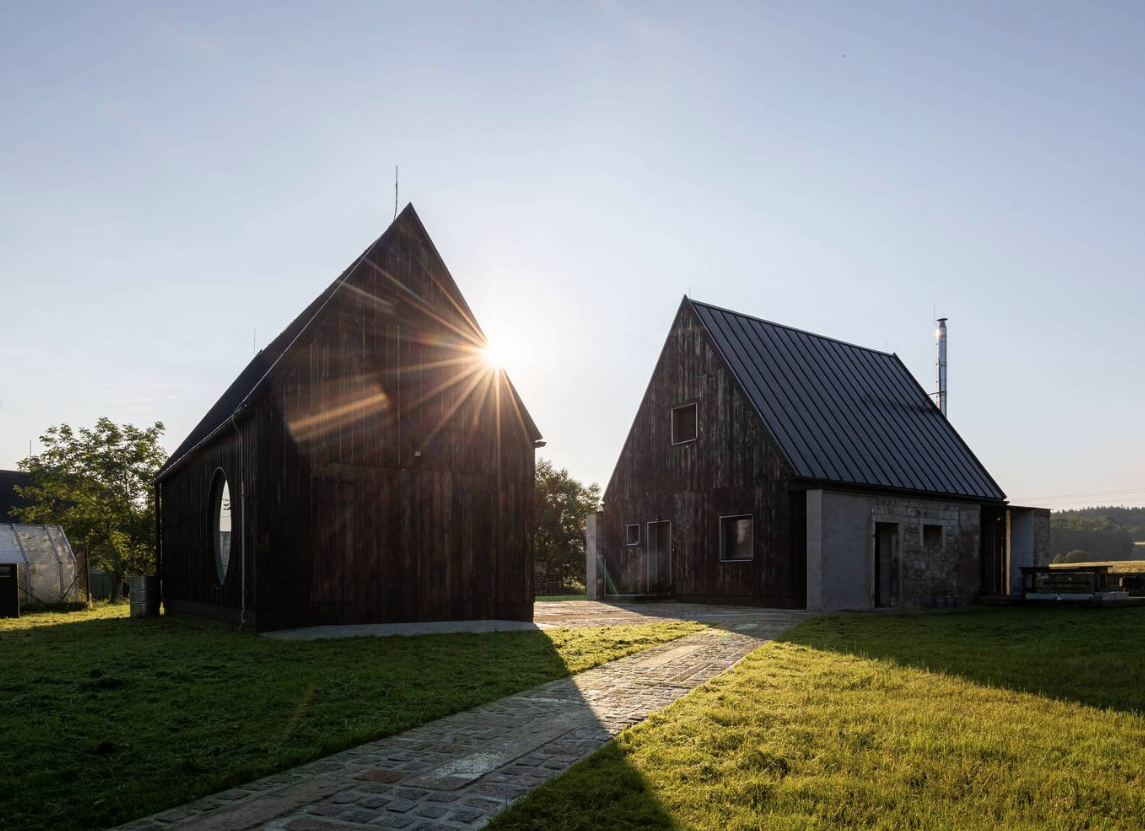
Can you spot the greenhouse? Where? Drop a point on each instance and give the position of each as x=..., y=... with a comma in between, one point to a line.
x=46, y=566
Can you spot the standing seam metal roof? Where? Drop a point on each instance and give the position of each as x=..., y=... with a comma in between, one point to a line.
x=845, y=413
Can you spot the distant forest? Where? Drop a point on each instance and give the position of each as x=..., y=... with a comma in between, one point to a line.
x=1106, y=533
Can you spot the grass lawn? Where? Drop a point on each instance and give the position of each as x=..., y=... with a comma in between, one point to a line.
x=106, y=718
x=562, y=597
x=988, y=719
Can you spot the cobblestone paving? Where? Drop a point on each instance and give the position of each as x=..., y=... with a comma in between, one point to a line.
x=457, y=772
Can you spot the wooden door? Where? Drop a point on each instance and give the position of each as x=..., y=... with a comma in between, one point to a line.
x=992, y=558
x=472, y=564
x=886, y=564
x=659, y=557
x=334, y=560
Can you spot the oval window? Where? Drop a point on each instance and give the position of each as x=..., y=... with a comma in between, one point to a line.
x=221, y=525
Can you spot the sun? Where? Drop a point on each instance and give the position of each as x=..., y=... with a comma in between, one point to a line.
x=493, y=356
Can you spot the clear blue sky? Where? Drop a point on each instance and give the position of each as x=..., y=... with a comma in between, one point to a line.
x=174, y=176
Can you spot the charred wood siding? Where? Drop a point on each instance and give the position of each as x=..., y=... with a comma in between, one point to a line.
x=394, y=468
x=733, y=467
x=190, y=581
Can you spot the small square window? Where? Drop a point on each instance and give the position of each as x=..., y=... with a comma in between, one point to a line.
x=735, y=538
x=685, y=424
x=632, y=535
x=932, y=537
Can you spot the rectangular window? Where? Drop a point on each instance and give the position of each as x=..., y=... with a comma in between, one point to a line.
x=735, y=538
x=932, y=537
x=632, y=535
x=685, y=424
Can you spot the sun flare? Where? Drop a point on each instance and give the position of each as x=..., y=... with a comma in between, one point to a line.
x=493, y=356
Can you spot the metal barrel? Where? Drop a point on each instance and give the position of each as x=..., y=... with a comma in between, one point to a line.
x=144, y=595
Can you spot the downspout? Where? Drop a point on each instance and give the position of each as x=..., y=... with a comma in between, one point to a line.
x=158, y=544
x=242, y=521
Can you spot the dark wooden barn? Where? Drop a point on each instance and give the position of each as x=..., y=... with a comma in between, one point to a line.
x=369, y=465
x=771, y=466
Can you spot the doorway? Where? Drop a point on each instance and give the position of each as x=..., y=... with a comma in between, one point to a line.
x=659, y=557
x=992, y=558
x=886, y=582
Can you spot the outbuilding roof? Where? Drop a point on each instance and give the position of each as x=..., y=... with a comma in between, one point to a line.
x=9, y=480
x=845, y=413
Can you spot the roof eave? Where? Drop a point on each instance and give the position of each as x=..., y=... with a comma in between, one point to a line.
x=809, y=483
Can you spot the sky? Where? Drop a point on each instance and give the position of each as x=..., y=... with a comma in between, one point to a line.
x=178, y=180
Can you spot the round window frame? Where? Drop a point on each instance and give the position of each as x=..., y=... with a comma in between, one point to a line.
x=219, y=481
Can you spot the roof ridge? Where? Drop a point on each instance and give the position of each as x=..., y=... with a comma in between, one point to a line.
x=791, y=328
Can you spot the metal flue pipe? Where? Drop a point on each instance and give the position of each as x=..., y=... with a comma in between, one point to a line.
x=940, y=340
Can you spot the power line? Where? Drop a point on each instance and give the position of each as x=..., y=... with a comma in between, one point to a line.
x=1077, y=495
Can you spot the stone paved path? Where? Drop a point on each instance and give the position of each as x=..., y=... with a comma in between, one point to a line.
x=458, y=771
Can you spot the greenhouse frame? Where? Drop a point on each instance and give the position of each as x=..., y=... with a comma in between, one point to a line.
x=48, y=571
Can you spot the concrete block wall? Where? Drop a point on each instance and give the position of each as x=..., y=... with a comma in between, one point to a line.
x=840, y=550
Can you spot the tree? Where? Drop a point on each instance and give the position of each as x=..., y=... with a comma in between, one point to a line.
x=562, y=503
x=97, y=484
x=1098, y=534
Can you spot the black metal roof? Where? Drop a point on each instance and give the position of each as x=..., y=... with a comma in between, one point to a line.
x=256, y=373
x=845, y=413
x=9, y=479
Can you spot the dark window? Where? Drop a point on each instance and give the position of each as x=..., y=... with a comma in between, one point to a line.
x=632, y=535
x=932, y=537
x=684, y=424
x=735, y=537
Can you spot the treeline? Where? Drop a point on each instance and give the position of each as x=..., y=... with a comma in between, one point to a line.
x=1105, y=533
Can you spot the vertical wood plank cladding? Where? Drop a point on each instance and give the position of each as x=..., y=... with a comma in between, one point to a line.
x=189, y=572
x=732, y=468
x=388, y=488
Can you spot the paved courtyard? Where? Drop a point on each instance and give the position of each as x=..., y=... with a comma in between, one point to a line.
x=546, y=615
x=457, y=772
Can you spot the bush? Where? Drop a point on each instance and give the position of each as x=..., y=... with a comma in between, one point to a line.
x=1077, y=556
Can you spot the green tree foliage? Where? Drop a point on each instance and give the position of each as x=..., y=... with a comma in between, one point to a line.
x=1099, y=534
x=97, y=484
x=1075, y=556
x=1121, y=515
x=562, y=503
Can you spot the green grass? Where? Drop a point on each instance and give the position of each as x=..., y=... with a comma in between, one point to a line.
x=990, y=719
x=552, y=597
x=105, y=718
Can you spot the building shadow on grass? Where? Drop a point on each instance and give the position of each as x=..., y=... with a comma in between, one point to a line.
x=470, y=766
x=445, y=719
x=1089, y=656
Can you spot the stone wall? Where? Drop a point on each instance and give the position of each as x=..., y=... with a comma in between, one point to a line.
x=841, y=555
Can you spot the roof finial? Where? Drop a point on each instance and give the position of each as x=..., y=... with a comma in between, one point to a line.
x=395, y=191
